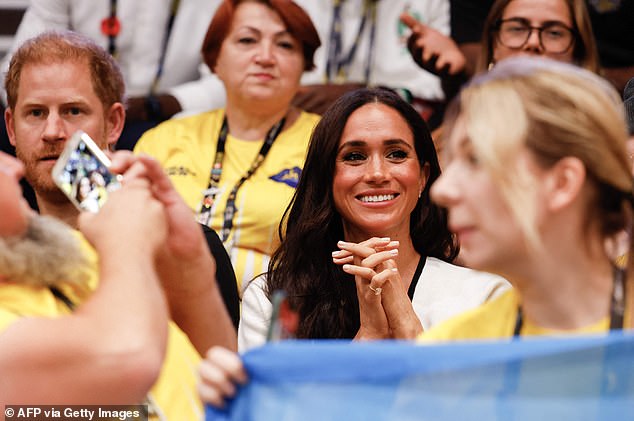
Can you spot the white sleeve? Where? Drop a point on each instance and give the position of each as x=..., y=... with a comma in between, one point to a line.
x=191, y=82
x=445, y=290
x=255, y=315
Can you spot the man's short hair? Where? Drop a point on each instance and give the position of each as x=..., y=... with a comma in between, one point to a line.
x=61, y=46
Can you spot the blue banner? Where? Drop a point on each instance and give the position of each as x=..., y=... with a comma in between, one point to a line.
x=580, y=378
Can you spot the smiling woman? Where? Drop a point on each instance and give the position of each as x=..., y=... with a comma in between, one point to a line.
x=377, y=176
x=366, y=179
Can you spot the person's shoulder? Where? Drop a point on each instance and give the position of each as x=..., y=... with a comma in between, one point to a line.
x=297, y=137
x=450, y=272
x=309, y=117
x=445, y=290
x=256, y=314
x=255, y=296
x=304, y=124
x=256, y=286
x=194, y=127
x=191, y=121
x=491, y=320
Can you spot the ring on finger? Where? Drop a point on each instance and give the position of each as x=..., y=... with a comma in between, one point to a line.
x=377, y=290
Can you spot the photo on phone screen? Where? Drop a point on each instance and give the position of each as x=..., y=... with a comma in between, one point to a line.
x=81, y=172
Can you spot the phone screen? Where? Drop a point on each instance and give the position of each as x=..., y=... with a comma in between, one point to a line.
x=82, y=173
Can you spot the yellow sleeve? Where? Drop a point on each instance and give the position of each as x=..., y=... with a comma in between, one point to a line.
x=149, y=143
x=493, y=319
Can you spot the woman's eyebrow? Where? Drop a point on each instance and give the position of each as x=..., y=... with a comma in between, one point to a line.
x=352, y=143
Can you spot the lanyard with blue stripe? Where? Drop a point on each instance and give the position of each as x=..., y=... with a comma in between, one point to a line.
x=338, y=63
x=204, y=214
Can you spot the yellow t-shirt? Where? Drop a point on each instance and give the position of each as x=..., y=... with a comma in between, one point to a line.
x=186, y=149
x=496, y=319
x=174, y=393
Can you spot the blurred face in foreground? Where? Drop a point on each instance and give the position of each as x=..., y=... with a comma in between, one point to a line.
x=487, y=230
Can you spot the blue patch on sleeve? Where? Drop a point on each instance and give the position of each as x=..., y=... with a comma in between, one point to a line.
x=290, y=176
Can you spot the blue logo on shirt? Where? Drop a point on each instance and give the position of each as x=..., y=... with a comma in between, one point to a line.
x=288, y=176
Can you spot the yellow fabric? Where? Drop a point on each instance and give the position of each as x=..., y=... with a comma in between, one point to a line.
x=186, y=149
x=18, y=301
x=175, y=390
x=496, y=319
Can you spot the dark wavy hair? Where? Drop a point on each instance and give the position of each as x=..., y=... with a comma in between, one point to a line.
x=324, y=296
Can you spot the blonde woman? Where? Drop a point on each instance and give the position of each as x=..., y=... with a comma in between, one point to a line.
x=538, y=188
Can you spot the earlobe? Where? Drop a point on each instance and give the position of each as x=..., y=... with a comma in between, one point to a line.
x=565, y=182
x=424, y=176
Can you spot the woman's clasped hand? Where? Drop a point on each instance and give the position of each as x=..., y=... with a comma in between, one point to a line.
x=385, y=308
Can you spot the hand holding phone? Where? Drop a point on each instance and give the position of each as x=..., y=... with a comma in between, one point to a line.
x=82, y=173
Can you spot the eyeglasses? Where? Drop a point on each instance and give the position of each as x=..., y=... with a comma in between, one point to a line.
x=554, y=37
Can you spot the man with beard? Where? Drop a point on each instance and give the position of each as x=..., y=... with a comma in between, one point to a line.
x=58, y=83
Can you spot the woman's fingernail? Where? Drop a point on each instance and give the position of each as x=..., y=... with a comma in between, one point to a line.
x=346, y=267
x=394, y=252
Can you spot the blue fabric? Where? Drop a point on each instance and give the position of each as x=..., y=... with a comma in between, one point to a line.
x=580, y=378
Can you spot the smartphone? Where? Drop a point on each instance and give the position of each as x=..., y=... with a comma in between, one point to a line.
x=284, y=320
x=82, y=173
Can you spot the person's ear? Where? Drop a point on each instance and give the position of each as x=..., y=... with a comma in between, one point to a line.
x=630, y=151
x=8, y=121
x=115, y=120
x=564, y=183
